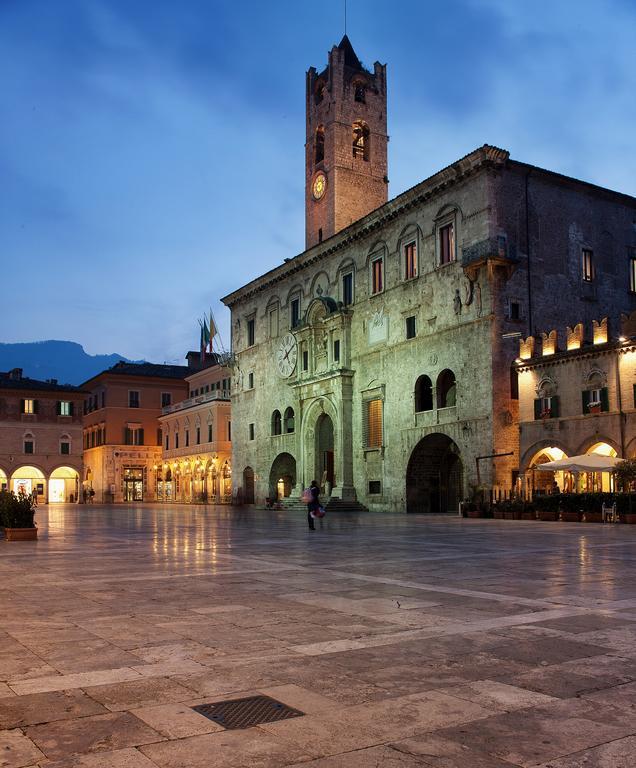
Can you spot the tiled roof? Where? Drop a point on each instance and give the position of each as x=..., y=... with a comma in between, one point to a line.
x=155, y=370
x=9, y=381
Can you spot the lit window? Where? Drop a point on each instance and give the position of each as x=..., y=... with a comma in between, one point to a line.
x=377, y=275
x=372, y=426
x=447, y=244
x=587, y=265
x=65, y=408
x=410, y=261
x=28, y=406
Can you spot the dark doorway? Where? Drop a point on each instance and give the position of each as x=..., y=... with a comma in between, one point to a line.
x=324, y=452
x=248, y=485
x=434, y=476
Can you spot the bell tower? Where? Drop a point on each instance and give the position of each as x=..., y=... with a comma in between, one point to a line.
x=346, y=145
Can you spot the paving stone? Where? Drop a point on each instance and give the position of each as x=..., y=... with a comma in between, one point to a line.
x=139, y=693
x=20, y=711
x=99, y=733
x=616, y=754
x=121, y=758
x=16, y=750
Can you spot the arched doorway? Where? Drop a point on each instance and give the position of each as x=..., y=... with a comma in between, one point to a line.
x=599, y=481
x=324, y=454
x=434, y=476
x=4, y=483
x=29, y=480
x=248, y=485
x=540, y=482
x=63, y=485
x=282, y=476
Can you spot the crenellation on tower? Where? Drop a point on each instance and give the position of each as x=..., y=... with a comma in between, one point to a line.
x=346, y=143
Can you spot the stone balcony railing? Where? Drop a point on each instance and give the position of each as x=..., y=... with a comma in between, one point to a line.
x=206, y=397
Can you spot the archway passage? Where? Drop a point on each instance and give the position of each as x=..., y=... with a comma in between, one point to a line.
x=28, y=480
x=325, y=474
x=434, y=476
x=63, y=485
x=541, y=482
x=282, y=476
x=248, y=485
x=4, y=483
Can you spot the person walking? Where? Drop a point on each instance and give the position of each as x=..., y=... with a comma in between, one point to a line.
x=314, y=504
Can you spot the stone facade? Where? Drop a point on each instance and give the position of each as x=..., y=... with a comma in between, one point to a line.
x=40, y=437
x=122, y=441
x=577, y=395
x=196, y=457
x=392, y=343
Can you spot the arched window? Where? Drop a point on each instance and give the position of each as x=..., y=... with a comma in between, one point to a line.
x=289, y=420
x=446, y=389
x=360, y=93
x=276, y=423
x=423, y=394
x=319, y=144
x=361, y=140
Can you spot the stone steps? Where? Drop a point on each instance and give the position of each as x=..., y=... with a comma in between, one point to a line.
x=330, y=504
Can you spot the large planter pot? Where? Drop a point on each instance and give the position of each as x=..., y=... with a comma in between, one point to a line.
x=628, y=517
x=593, y=517
x=498, y=514
x=510, y=515
x=21, y=534
x=571, y=517
x=473, y=513
x=528, y=514
x=547, y=514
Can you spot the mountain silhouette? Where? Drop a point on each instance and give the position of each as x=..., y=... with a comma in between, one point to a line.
x=65, y=361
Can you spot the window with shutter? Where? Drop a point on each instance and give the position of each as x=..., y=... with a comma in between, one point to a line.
x=604, y=400
x=372, y=423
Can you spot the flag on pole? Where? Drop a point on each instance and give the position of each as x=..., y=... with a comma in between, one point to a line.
x=212, y=330
x=202, y=342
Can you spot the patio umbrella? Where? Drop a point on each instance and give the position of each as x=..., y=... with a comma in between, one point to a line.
x=591, y=462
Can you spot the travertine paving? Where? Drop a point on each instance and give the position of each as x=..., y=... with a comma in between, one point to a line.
x=406, y=641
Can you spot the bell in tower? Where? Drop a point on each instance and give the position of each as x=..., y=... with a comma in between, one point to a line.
x=346, y=144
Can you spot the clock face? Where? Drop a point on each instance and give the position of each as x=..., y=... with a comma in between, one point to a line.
x=319, y=186
x=286, y=355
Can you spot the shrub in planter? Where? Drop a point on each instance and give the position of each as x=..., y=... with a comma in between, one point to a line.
x=547, y=507
x=626, y=507
x=16, y=514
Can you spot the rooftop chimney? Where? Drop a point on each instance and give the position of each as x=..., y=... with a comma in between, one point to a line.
x=15, y=374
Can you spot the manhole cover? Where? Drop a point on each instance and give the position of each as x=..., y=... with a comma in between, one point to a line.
x=243, y=713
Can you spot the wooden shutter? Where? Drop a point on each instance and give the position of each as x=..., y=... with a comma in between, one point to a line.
x=58, y=407
x=36, y=406
x=22, y=400
x=585, y=398
x=537, y=408
x=141, y=436
x=71, y=407
x=372, y=423
x=604, y=399
x=554, y=407
x=126, y=436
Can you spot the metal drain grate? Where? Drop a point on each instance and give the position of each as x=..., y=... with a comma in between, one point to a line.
x=243, y=713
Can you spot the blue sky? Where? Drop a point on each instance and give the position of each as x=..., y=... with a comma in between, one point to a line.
x=152, y=158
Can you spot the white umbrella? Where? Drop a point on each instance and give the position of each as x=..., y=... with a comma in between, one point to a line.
x=591, y=462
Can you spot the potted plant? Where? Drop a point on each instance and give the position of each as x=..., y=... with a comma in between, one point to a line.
x=592, y=508
x=16, y=515
x=547, y=507
x=625, y=474
x=571, y=508
x=474, y=505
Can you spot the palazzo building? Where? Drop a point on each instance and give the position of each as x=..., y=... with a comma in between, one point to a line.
x=577, y=395
x=40, y=437
x=122, y=439
x=196, y=457
x=381, y=360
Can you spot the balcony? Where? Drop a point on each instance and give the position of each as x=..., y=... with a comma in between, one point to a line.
x=208, y=397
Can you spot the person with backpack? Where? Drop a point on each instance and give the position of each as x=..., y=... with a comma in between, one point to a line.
x=313, y=503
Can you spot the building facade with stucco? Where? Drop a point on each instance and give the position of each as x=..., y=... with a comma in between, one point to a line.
x=380, y=361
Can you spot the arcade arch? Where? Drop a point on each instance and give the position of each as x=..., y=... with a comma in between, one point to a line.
x=434, y=475
x=282, y=476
